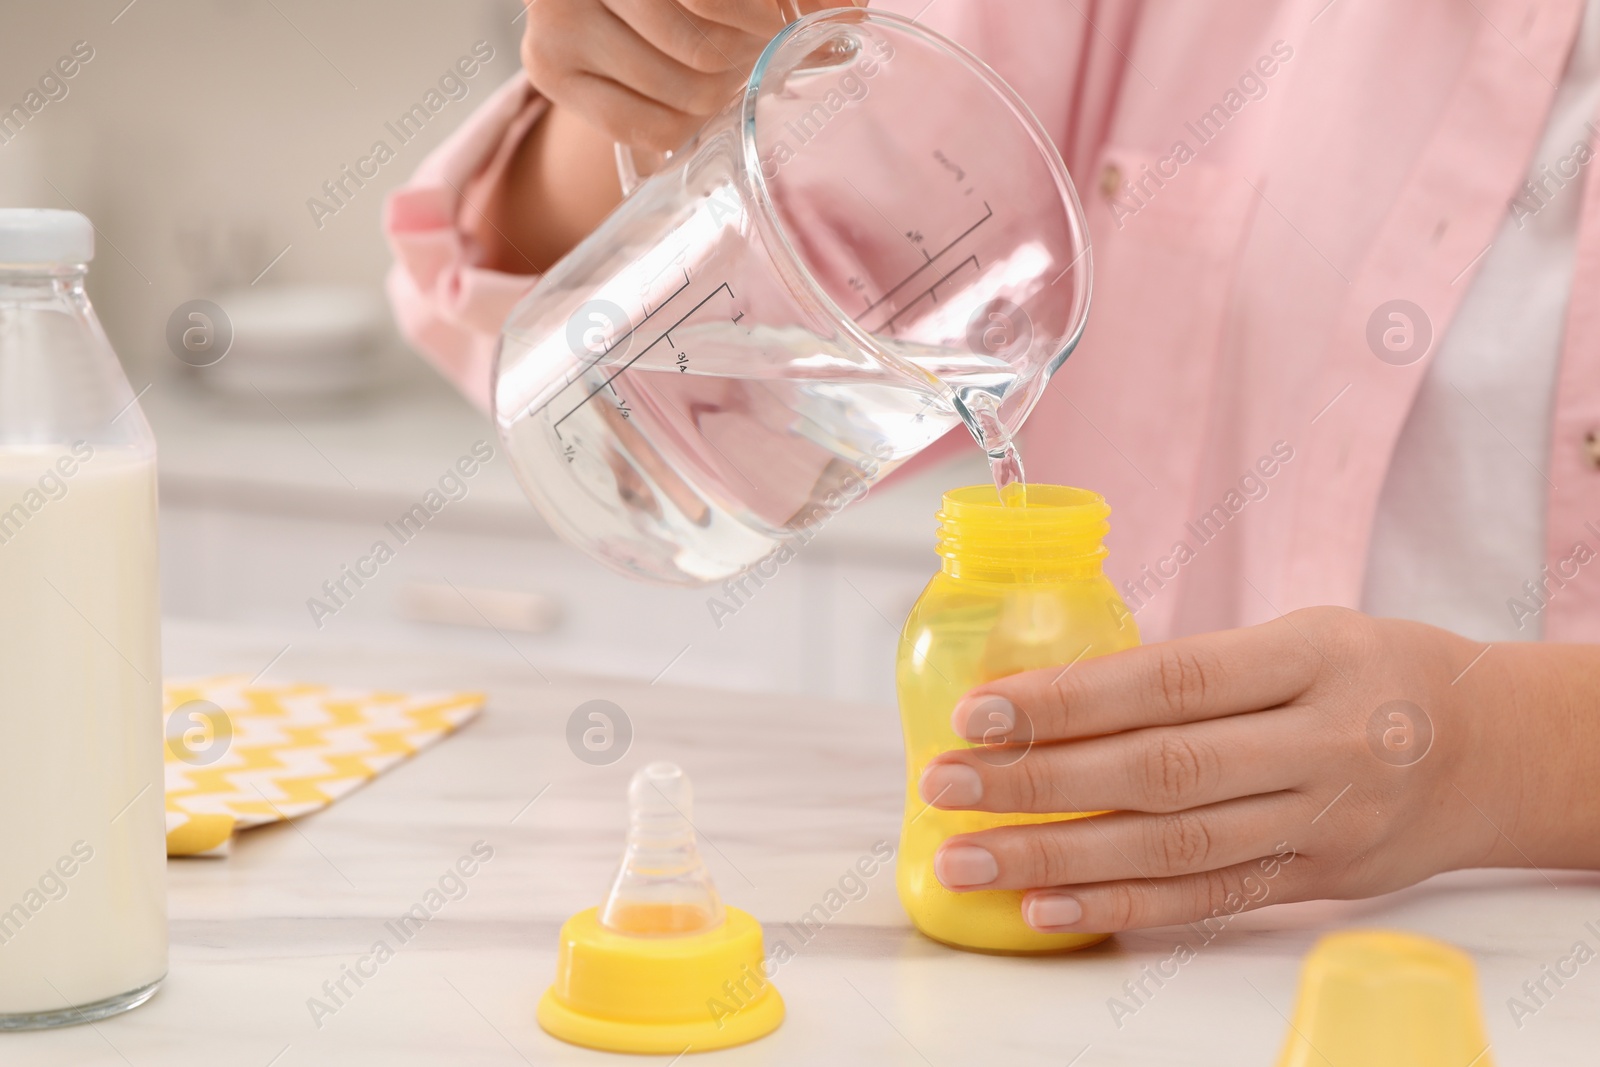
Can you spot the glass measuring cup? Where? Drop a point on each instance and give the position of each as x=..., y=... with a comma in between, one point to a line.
x=874, y=242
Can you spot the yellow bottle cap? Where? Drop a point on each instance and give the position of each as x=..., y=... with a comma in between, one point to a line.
x=1379, y=998
x=662, y=966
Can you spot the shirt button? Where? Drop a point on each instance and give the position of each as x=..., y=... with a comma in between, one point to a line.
x=1110, y=179
x=1591, y=448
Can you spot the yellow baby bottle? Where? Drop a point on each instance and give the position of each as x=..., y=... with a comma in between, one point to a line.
x=1019, y=588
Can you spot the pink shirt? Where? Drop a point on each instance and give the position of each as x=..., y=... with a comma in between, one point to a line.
x=1260, y=179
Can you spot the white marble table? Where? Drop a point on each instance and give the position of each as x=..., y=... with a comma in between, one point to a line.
x=789, y=795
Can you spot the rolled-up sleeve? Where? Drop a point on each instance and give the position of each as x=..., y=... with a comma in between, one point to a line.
x=448, y=306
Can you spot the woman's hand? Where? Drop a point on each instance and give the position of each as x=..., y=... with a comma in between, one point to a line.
x=648, y=72
x=1325, y=754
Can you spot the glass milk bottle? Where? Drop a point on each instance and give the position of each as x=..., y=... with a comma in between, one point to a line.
x=83, y=927
x=1020, y=588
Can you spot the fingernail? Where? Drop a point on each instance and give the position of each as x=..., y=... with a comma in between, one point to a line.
x=950, y=785
x=1045, y=911
x=963, y=866
x=987, y=718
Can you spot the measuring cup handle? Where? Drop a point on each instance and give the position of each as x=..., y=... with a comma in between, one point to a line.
x=629, y=174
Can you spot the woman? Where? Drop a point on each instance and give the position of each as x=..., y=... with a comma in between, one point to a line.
x=1339, y=384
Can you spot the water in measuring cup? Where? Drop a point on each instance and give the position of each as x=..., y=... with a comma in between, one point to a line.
x=738, y=439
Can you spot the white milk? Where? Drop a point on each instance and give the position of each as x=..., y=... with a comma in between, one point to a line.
x=83, y=859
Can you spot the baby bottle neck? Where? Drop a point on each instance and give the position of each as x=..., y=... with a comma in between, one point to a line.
x=1058, y=535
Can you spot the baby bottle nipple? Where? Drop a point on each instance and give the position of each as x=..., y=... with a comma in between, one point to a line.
x=663, y=886
x=661, y=966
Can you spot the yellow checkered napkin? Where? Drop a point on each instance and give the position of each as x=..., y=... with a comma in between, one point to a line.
x=239, y=755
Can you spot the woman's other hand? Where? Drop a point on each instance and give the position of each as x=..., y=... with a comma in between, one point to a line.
x=1324, y=754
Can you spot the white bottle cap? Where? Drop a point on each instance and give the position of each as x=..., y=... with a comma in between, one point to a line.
x=45, y=236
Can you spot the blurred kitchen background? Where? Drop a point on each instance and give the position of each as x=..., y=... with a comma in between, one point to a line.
x=194, y=137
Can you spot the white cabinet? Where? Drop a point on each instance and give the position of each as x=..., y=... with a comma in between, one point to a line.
x=822, y=625
x=259, y=512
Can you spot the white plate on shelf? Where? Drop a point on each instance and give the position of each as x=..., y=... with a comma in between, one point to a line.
x=305, y=345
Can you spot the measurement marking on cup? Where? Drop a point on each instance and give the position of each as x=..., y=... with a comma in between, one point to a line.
x=661, y=337
x=681, y=359
x=931, y=291
x=988, y=213
x=648, y=315
x=612, y=346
